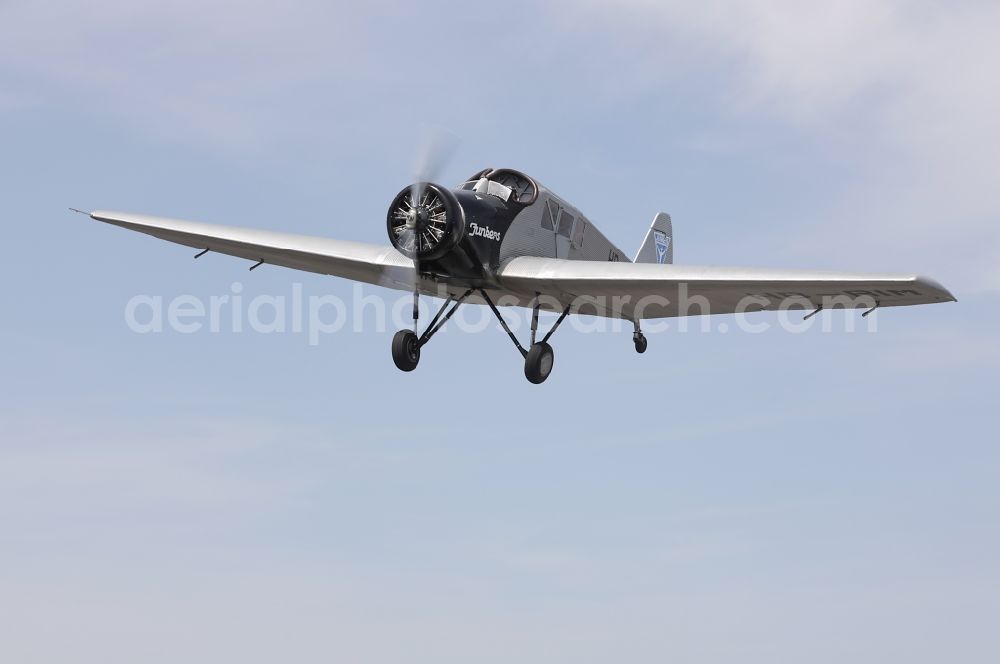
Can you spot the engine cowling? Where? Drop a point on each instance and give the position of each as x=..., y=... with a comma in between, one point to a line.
x=425, y=221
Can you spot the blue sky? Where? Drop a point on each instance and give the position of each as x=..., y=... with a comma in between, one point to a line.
x=766, y=497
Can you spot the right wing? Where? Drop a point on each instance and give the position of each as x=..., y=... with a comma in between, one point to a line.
x=373, y=264
x=648, y=290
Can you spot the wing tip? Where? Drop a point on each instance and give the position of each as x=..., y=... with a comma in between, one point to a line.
x=935, y=285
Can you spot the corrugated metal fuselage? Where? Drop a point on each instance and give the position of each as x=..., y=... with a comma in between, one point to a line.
x=497, y=231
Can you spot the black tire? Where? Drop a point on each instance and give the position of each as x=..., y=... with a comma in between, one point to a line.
x=538, y=363
x=405, y=350
x=640, y=344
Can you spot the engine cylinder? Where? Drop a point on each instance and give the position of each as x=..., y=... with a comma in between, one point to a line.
x=425, y=221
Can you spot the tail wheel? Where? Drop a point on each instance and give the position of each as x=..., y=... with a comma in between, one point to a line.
x=640, y=343
x=405, y=350
x=538, y=362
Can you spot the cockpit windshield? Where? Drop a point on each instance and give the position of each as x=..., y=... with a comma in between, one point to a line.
x=508, y=185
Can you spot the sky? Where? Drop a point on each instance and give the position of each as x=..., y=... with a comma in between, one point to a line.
x=766, y=497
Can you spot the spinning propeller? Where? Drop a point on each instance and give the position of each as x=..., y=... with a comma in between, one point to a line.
x=423, y=219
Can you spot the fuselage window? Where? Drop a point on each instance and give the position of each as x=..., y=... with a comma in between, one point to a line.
x=566, y=224
x=549, y=215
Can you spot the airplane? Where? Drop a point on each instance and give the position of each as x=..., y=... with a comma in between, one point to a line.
x=501, y=237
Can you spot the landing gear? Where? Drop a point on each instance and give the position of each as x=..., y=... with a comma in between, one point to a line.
x=538, y=362
x=640, y=343
x=539, y=357
x=406, y=344
x=639, y=339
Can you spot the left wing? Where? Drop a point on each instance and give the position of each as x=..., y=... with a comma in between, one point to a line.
x=373, y=264
x=648, y=290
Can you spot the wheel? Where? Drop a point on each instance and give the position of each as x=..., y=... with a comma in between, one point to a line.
x=640, y=343
x=538, y=362
x=405, y=350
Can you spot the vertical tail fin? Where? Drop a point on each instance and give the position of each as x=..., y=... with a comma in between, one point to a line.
x=658, y=247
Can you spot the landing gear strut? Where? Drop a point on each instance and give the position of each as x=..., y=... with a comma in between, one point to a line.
x=539, y=357
x=406, y=344
x=639, y=339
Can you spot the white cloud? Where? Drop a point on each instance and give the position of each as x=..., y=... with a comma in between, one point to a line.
x=902, y=92
x=905, y=90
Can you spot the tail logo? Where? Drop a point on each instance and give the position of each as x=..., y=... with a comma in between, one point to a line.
x=662, y=244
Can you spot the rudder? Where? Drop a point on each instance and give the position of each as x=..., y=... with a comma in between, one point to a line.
x=658, y=246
